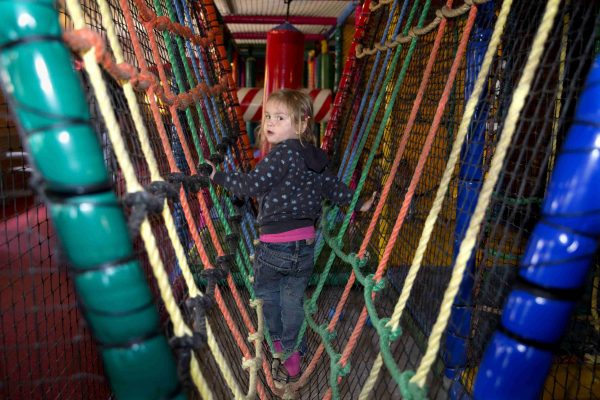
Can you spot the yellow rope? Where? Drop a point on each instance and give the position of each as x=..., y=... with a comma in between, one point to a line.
x=167, y=216
x=132, y=184
x=375, y=5
x=440, y=14
x=256, y=338
x=468, y=243
x=558, y=100
x=443, y=188
x=594, y=305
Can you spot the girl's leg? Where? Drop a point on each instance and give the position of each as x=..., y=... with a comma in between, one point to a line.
x=292, y=294
x=266, y=287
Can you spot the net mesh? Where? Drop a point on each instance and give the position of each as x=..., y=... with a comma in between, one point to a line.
x=47, y=350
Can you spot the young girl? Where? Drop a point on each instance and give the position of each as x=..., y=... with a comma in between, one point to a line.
x=290, y=184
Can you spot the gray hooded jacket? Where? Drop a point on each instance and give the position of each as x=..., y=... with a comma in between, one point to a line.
x=290, y=184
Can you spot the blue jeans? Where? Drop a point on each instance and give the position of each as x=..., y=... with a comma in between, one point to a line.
x=281, y=274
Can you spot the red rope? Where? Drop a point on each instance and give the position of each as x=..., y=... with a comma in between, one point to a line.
x=163, y=23
x=187, y=212
x=84, y=39
x=234, y=111
x=353, y=340
x=344, y=85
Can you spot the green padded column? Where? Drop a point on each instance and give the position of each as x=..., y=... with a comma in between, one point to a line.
x=46, y=96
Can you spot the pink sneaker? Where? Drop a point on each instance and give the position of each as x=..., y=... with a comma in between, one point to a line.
x=278, y=347
x=293, y=366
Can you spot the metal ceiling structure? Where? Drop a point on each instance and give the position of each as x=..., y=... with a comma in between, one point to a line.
x=248, y=21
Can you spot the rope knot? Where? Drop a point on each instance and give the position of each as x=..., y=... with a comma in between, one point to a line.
x=340, y=370
x=388, y=333
x=185, y=99
x=183, y=347
x=215, y=274
x=126, y=71
x=364, y=260
x=212, y=276
x=184, y=31
x=256, y=303
x=311, y=308
x=254, y=336
x=187, y=343
x=80, y=40
x=226, y=263
x=410, y=390
x=196, y=182
x=216, y=89
x=161, y=23
x=145, y=13
x=196, y=308
x=329, y=336
x=235, y=218
x=141, y=204
x=192, y=184
x=371, y=285
x=163, y=190
x=216, y=158
x=379, y=285
x=168, y=97
x=232, y=239
x=205, y=169
x=252, y=364
x=203, y=87
x=359, y=51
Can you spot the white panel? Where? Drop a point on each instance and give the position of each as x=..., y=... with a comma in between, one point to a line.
x=258, y=28
x=310, y=8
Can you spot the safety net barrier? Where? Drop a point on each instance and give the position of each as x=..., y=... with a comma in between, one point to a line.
x=455, y=114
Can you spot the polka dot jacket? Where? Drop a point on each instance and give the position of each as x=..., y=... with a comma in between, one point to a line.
x=290, y=184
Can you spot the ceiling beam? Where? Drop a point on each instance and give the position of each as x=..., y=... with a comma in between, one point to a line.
x=263, y=36
x=279, y=19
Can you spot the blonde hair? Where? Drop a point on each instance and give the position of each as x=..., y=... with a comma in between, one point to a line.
x=300, y=108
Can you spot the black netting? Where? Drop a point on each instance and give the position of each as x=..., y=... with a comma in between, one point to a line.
x=47, y=351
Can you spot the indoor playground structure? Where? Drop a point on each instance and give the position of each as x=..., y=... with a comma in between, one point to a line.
x=125, y=274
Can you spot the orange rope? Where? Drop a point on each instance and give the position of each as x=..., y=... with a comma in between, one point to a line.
x=353, y=340
x=84, y=39
x=199, y=196
x=234, y=111
x=164, y=23
x=428, y=142
x=185, y=205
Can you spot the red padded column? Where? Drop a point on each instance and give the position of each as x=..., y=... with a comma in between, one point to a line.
x=284, y=62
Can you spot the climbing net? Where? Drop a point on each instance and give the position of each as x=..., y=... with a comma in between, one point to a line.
x=450, y=116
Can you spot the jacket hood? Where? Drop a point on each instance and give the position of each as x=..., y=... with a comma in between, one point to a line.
x=316, y=159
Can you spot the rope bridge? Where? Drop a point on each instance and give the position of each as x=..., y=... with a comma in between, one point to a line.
x=455, y=113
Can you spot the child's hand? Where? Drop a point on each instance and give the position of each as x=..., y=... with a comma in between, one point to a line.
x=366, y=206
x=214, y=169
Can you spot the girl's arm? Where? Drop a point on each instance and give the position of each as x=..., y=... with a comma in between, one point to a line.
x=338, y=193
x=335, y=190
x=267, y=173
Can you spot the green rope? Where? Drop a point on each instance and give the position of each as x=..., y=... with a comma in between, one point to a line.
x=505, y=256
x=386, y=334
x=202, y=119
x=517, y=201
x=243, y=263
x=188, y=113
x=335, y=369
x=334, y=244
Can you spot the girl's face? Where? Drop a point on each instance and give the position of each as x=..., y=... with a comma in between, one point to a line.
x=279, y=125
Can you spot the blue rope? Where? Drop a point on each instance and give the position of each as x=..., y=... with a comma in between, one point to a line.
x=345, y=176
x=210, y=104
